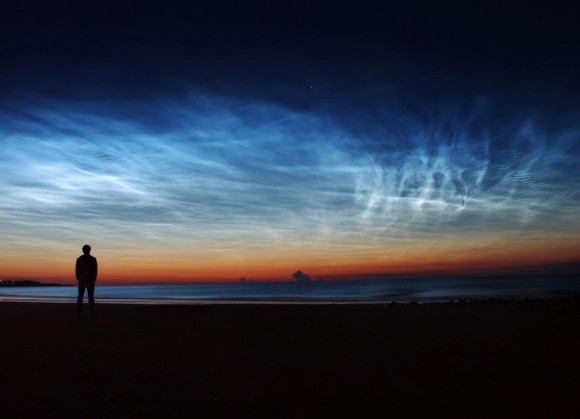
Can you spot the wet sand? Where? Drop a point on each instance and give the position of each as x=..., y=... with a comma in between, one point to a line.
x=468, y=359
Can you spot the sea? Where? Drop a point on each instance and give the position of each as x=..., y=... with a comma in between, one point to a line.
x=364, y=291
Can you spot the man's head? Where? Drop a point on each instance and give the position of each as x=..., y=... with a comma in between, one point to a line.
x=87, y=249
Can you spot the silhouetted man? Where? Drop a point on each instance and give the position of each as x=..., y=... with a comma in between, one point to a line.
x=86, y=273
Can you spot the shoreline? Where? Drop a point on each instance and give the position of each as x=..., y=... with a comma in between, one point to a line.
x=573, y=299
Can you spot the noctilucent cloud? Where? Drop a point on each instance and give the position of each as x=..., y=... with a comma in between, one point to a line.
x=219, y=183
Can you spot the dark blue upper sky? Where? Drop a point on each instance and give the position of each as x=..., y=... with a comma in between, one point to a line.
x=294, y=53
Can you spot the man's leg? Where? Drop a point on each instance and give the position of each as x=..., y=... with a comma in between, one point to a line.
x=81, y=288
x=91, y=292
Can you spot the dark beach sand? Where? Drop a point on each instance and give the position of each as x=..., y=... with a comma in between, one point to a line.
x=478, y=359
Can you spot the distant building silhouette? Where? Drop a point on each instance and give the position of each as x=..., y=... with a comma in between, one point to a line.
x=300, y=276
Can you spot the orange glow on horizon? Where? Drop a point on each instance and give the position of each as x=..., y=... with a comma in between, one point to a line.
x=449, y=258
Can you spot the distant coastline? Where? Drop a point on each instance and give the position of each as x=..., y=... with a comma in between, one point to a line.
x=28, y=283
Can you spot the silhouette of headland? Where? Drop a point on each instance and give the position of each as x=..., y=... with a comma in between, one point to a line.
x=27, y=283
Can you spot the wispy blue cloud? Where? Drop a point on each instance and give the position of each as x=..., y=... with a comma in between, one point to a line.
x=219, y=173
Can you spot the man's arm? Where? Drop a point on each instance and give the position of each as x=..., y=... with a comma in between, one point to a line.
x=77, y=270
x=96, y=268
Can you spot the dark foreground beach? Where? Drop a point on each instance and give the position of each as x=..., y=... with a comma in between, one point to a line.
x=468, y=359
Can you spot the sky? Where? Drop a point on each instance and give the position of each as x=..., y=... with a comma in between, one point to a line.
x=212, y=141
